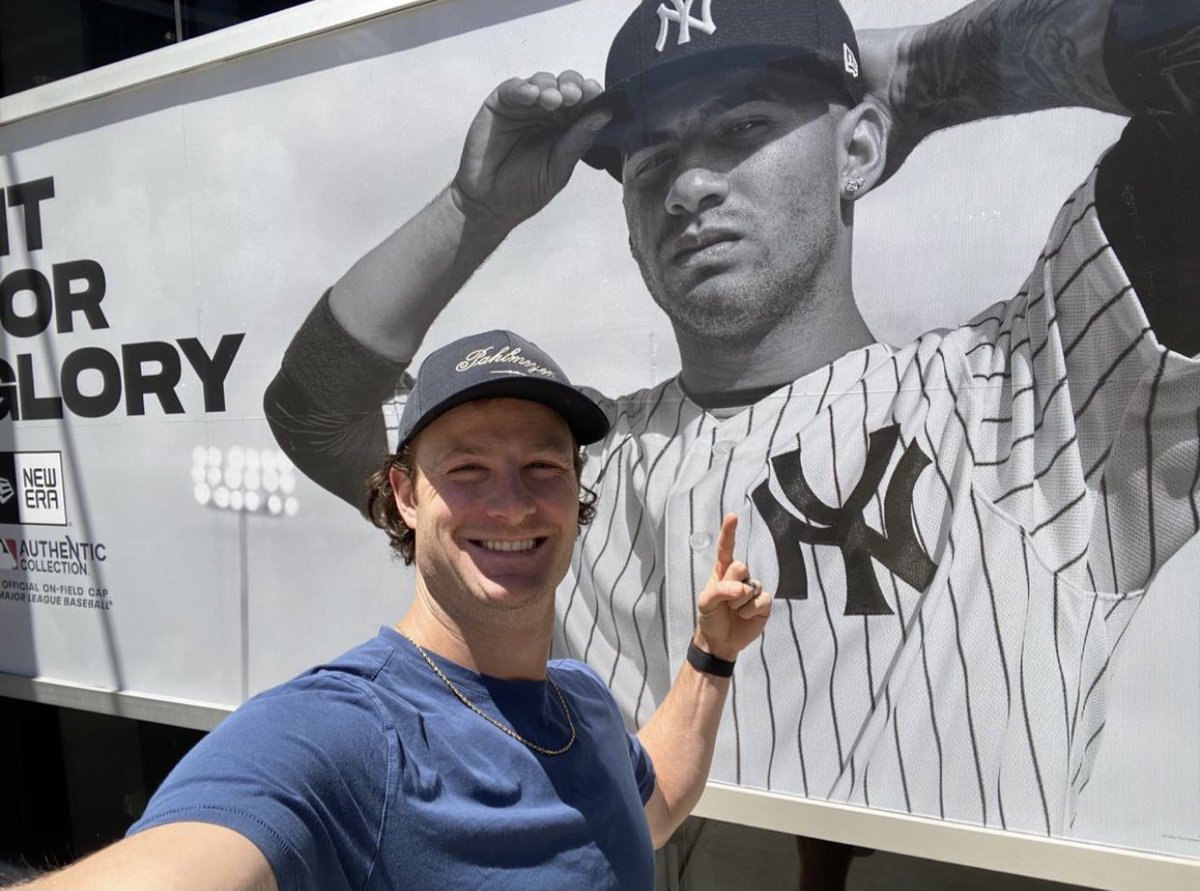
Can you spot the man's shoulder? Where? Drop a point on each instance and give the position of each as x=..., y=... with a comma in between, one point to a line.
x=580, y=679
x=343, y=689
x=576, y=670
x=365, y=661
x=639, y=412
x=636, y=401
x=1076, y=245
x=303, y=770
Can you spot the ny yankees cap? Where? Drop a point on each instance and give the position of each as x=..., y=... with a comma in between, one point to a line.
x=491, y=365
x=665, y=41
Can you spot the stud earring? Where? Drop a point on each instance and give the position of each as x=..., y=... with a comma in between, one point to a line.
x=854, y=186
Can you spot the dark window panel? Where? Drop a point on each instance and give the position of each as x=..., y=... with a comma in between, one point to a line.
x=39, y=42
x=44, y=40
x=205, y=16
x=117, y=29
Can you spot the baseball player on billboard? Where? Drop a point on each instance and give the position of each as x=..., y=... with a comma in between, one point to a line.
x=957, y=531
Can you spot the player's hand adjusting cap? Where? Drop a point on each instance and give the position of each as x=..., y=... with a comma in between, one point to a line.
x=666, y=41
x=493, y=365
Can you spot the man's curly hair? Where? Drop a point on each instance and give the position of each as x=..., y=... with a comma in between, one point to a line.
x=383, y=512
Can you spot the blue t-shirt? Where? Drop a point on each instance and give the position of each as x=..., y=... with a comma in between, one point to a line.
x=368, y=773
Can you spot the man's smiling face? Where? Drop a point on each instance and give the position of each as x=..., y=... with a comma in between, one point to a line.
x=732, y=199
x=494, y=502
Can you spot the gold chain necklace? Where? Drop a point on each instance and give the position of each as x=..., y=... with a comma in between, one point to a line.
x=562, y=701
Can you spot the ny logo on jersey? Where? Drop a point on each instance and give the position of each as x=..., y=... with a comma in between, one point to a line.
x=897, y=548
x=682, y=13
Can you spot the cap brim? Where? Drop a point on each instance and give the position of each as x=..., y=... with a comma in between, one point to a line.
x=587, y=421
x=624, y=98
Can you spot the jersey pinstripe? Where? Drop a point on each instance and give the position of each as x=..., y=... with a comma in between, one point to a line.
x=957, y=532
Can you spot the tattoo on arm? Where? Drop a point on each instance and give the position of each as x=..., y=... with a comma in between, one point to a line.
x=999, y=57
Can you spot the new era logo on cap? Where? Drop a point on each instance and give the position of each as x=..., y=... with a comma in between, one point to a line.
x=851, y=61
x=682, y=13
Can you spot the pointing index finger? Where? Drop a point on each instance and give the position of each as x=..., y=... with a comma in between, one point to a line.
x=726, y=539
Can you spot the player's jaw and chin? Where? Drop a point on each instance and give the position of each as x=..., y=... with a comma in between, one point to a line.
x=743, y=290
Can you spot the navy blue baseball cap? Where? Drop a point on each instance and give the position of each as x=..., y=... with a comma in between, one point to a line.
x=493, y=365
x=666, y=41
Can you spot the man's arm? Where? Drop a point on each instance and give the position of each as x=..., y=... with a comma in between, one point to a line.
x=174, y=857
x=519, y=153
x=682, y=733
x=1131, y=57
x=991, y=58
x=349, y=355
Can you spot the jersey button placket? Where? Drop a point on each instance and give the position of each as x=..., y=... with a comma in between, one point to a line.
x=688, y=550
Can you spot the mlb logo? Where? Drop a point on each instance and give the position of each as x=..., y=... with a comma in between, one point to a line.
x=9, y=549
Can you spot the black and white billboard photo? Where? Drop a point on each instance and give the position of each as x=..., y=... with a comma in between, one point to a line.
x=907, y=287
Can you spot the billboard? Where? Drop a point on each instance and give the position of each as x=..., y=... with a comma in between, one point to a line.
x=162, y=245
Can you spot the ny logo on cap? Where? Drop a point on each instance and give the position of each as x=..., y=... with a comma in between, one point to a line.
x=682, y=13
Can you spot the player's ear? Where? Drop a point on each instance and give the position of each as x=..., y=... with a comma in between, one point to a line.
x=405, y=494
x=862, y=141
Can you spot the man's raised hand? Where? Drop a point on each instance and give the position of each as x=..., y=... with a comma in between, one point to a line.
x=733, y=609
x=523, y=145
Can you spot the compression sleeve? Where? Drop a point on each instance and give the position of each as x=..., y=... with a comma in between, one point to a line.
x=1148, y=188
x=1152, y=56
x=1147, y=192
x=324, y=405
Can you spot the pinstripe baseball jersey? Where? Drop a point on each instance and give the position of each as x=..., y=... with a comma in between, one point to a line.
x=957, y=534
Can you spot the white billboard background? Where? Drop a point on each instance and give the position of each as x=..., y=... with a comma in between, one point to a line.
x=225, y=201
